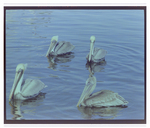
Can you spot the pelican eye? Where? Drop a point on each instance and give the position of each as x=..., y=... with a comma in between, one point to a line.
x=20, y=70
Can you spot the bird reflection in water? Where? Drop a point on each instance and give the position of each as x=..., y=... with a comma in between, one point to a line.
x=104, y=112
x=53, y=60
x=95, y=67
x=104, y=103
x=30, y=104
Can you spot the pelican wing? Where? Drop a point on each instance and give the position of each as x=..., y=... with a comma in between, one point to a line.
x=64, y=47
x=32, y=87
x=105, y=98
x=99, y=53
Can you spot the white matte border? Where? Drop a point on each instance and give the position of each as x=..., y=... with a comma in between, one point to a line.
x=72, y=3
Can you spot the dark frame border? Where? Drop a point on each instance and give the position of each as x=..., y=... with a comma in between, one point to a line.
x=75, y=121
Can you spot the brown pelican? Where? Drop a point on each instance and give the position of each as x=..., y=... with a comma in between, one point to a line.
x=58, y=48
x=23, y=90
x=104, y=98
x=95, y=54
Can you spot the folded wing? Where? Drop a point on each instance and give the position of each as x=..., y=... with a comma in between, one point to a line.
x=99, y=53
x=32, y=87
x=64, y=47
x=105, y=98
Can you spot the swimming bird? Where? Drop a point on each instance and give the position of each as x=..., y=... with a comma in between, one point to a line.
x=103, y=98
x=95, y=54
x=59, y=48
x=27, y=89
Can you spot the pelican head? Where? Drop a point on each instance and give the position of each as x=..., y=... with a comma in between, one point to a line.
x=18, y=80
x=92, y=41
x=88, y=89
x=52, y=45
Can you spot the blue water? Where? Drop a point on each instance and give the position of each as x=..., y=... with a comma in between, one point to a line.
x=120, y=32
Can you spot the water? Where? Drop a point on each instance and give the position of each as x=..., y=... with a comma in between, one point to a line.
x=120, y=32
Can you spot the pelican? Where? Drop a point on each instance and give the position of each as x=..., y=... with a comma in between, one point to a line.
x=59, y=48
x=95, y=54
x=103, y=98
x=23, y=90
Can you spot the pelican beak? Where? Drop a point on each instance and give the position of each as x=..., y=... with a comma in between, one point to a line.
x=83, y=95
x=51, y=47
x=48, y=52
x=91, y=50
x=16, y=80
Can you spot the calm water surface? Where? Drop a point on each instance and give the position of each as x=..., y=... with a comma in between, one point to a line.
x=120, y=32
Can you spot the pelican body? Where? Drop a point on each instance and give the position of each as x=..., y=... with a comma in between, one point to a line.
x=22, y=90
x=103, y=98
x=59, y=48
x=95, y=54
